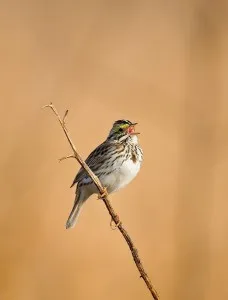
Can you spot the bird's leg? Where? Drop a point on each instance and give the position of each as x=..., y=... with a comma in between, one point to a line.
x=104, y=194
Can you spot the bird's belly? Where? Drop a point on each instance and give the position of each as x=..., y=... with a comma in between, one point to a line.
x=121, y=176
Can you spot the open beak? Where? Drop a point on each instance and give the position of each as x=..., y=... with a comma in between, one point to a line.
x=131, y=129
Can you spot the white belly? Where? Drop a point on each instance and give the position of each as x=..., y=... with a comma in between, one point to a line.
x=121, y=176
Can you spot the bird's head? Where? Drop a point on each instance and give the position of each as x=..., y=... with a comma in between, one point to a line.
x=122, y=129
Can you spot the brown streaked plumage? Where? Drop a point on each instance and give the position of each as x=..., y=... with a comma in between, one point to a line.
x=116, y=162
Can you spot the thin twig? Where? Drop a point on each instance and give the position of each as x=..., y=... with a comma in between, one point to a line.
x=66, y=157
x=103, y=196
x=64, y=117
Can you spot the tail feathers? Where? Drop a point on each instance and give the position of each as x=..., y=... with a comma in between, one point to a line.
x=74, y=214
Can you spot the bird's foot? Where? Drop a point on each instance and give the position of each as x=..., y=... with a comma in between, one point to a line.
x=104, y=194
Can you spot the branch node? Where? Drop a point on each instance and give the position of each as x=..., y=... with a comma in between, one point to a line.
x=115, y=225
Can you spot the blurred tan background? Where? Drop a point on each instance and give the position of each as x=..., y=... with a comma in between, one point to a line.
x=163, y=64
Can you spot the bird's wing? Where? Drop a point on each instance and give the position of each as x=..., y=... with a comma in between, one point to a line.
x=96, y=160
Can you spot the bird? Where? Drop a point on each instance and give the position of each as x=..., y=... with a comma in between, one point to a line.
x=115, y=162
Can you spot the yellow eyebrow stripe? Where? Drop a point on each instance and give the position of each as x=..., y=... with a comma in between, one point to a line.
x=124, y=125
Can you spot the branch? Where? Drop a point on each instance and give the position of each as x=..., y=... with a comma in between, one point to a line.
x=104, y=197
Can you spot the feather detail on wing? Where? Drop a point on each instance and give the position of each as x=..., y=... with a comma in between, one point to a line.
x=96, y=159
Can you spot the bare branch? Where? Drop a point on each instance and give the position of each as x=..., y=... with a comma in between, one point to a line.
x=104, y=197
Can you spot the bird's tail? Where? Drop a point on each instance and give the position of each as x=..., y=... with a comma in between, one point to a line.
x=72, y=219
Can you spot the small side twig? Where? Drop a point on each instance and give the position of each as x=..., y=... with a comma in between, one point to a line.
x=66, y=157
x=107, y=203
x=65, y=115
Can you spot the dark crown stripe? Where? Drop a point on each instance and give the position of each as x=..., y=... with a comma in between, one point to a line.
x=123, y=122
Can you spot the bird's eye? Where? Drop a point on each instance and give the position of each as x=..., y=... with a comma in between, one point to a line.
x=120, y=129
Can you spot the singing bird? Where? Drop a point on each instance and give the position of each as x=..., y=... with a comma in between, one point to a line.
x=115, y=162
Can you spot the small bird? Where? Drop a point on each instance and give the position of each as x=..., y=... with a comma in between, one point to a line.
x=115, y=162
